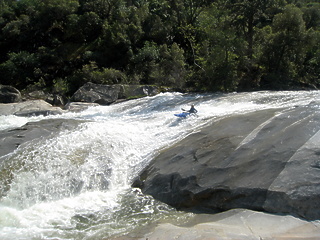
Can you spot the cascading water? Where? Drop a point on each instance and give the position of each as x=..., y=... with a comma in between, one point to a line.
x=76, y=185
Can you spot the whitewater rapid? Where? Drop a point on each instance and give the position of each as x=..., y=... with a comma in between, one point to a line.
x=77, y=184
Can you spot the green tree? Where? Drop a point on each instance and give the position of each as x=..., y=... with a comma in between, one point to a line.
x=285, y=48
x=159, y=23
x=19, y=70
x=218, y=54
x=103, y=8
x=120, y=37
x=144, y=62
x=188, y=11
x=170, y=68
x=247, y=17
x=91, y=26
x=250, y=14
x=311, y=15
x=47, y=20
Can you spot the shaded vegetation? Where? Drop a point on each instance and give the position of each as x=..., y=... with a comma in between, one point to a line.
x=206, y=45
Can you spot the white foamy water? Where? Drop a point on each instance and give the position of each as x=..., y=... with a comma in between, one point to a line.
x=76, y=185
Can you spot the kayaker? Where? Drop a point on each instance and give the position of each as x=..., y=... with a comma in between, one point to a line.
x=191, y=110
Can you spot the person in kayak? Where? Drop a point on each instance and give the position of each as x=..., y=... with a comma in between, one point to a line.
x=191, y=110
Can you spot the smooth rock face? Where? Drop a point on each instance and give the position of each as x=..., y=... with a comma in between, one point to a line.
x=267, y=161
x=237, y=224
x=29, y=108
x=9, y=94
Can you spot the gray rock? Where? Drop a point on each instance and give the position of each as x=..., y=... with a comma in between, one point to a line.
x=29, y=108
x=266, y=161
x=31, y=133
x=12, y=139
x=107, y=94
x=9, y=94
x=97, y=93
x=53, y=99
x=79, y=106
x=56, y=100
x=35, y=95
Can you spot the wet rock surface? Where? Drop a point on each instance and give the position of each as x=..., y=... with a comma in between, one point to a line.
x=267, y=160
x=13, y=138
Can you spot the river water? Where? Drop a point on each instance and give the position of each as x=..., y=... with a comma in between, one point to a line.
x=76, y=185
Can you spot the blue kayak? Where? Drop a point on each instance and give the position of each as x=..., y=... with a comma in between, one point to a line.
x=182, y=115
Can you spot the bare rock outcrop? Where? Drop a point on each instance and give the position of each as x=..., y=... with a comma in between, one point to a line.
x=267, y=161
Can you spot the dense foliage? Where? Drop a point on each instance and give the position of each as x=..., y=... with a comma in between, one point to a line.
x=210, y=45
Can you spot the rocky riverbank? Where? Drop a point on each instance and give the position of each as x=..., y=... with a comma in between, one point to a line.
x=36, y=103
x=262, y=162
x=88, y=93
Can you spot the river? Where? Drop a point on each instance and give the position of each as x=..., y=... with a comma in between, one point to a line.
x=77, y=184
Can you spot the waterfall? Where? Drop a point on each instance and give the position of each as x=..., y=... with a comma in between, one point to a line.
x=76, y=185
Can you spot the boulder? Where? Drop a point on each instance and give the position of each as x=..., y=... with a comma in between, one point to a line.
x=267, y=160
x=56, y=100
x=29, y=108
x=107, y=94
x=9, y=94
x=53, y=99
x=79, y=106
x=35, y=95
x=97, y=93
